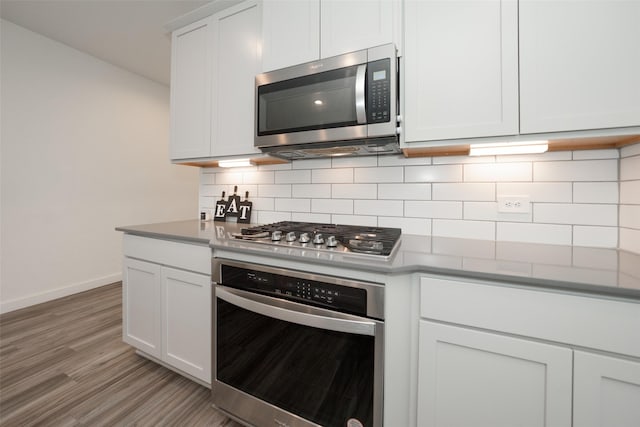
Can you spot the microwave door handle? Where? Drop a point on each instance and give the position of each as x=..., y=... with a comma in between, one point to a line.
x=361, y=108
x=301, y=318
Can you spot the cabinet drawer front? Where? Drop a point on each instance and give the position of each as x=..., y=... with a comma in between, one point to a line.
x=609, y=325
x=186, y=256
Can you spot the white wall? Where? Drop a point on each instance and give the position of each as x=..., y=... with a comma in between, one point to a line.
x=630, y=198
x=574, y=195
x=84, y=149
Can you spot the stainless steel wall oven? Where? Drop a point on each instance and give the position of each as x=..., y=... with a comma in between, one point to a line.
x=293, y=348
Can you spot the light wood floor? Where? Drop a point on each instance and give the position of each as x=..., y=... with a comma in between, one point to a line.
x=63, y=363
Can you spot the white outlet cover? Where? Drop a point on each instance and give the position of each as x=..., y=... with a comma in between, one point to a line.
x=514, y=204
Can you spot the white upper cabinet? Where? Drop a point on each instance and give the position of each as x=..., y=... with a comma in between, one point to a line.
x=190, y=91
x=579, y=65
x=460, y=69
x=236, y=61
x=350, y=25
x=299, y=31
x=213, y=65
x=290, y=33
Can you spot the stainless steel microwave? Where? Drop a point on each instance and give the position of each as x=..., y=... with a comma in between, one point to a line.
x=346, y=105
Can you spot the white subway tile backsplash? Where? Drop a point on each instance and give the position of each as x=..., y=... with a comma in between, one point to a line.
x=267, y=217
x=596, y=154
x=275, y=167
x=630, y=168
x=242, y=190
x=488, y=211
x=454, y=160
x=576, y=197
x=262, y=203
x=534, y=233
x=274, y=190
x=354, y=162
x=301, y=176
x=498, y=172
x=383, y=174
x=317, y=191
x=630, y=150
x=630, y=240
x=370, y=221
x=231, y=178
x=420, y=226
x=354, y=191
x=464, y=191
x=332, y=176
x=400, y=160
x=537, y=191
x=310, y=217
x=630, y=192
x=311, y=164
x=543, y=157
x=595, y=192
x=576, y=170
x=581, y=214
x=213, y=190
x=378, y=207
x=440, y=173
x=207, y=178
x=601, y=237
x=258, y=177
x=429, y=209
x=332, y=206
x=404, y=191
x=630, y=216
x=293, y=205
x=483, y=230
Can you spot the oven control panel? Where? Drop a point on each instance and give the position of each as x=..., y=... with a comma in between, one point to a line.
x=313, y=292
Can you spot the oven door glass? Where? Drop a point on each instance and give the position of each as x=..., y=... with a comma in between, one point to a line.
x=324, y=376
x=324, y=100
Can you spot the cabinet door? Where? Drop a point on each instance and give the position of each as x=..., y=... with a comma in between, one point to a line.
x=190, y=91
x=606, y=391
x=460, y=69
x=290, y=33
x=186, y=323
x=472, y=378
x=350, y=25
x=236, y=53
x=141, y=306
x=579, y=65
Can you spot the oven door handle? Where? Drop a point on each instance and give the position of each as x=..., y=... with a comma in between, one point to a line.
x=361, y=107
x=309, y=317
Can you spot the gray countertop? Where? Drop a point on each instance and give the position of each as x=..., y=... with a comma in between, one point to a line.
x=599, y=271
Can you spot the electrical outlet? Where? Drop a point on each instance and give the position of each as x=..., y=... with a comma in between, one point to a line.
x=514, y=204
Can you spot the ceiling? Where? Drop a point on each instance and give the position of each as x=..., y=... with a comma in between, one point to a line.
x=126, y=33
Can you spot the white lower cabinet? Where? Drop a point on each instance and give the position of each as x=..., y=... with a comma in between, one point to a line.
x=606, y=391
x=166, y=309
x=497, y=355
x=474, y=378
x=141, y=304
x=186, y=322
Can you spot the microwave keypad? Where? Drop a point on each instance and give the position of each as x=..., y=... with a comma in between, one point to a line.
x=378, y=91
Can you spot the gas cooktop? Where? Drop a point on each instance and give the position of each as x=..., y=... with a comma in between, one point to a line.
x=361, y=240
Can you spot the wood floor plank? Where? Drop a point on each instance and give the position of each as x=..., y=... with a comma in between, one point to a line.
x=63, y=363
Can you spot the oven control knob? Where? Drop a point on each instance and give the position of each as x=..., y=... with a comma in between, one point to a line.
x=332, y=242
x=276, y=236
x=318, y=239
x=290, y=236
x=304, y=238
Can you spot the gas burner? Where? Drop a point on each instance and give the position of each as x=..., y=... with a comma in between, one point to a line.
x=376, y=241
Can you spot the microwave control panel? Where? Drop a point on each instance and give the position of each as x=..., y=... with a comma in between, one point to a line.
x=378, y=91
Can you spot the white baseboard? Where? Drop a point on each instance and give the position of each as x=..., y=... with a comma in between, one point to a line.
x=18, y=303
